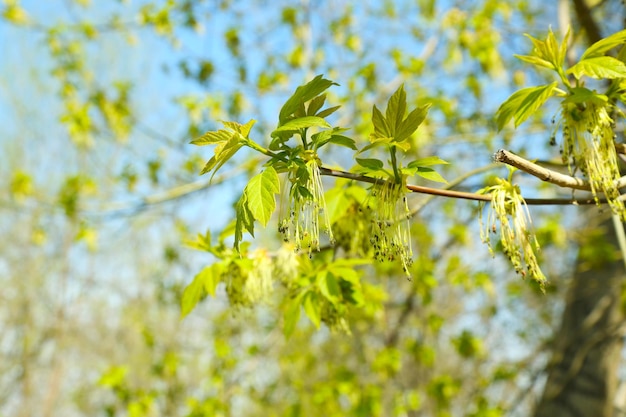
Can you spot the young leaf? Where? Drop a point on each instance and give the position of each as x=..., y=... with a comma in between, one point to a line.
x=245, y=220
x=343, y=141
x=602, y=67
x=260, y=195
x=213, y=137
x=370, y=163
x=192, y=294
x=522, y=104
x=328, y=285
x=381, y=128
x=411, y=123
x=205, y=282
x=430, y=174
x=327, y=112
x=302, y=123
x=303, y=94
x=396, y=107
x=535, y=60
x=315, y=104
x=312, y=308
x=584, y=95
x=547, y=50
x=426, y=162
x=602, y=46
x=225, y=150
x=209, y=165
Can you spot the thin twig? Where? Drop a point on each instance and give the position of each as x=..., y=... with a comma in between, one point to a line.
x=460, y=194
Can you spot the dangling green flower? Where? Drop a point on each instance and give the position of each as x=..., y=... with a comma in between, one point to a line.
x=588, y=145
x=519, y=244
x=306, y=206
x=258, y=285
x=391, y=237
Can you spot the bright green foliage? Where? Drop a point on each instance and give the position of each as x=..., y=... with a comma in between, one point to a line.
x=115, y=166
x=523, y=104
x=260, y=192
x=586, y=122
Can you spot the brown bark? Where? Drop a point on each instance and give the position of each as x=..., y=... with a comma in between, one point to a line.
x=582, y=374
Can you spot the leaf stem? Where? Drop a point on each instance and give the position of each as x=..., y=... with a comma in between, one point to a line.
x=394, y=164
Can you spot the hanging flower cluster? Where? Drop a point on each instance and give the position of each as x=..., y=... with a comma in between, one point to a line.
x=588, y=144
x=391, y=238
x=519, y=244
x=306, y=206
x=259, y=281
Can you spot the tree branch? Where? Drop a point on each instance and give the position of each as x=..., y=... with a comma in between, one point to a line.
x=545, y=174
x=461, y=194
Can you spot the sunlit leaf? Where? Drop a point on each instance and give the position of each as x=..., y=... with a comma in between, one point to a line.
x=302, y=123
x=303, y=94
x=584, y=95
x=430, y=174
x=370, y=163
x=327, y=112
x=328, y=285
x=245, y=220
x=411, y=123
x=602, y=67
x=260, y=194
x=312, y=308
x=427, y=161
x=213, y=137
x=381, y=128
x=205, y=282
x=602, y=46
x=535, y=60
x=343, y=141
x=522, y=104
x=396, y=107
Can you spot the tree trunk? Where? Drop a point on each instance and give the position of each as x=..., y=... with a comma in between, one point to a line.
x=586, y=353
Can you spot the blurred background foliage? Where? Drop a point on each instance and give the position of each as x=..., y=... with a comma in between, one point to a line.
x=98, y=103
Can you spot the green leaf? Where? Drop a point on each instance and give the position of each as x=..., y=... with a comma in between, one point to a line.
x=345, y=273
x=411, y=123
x=405, y=146
x=370, y=163
x=396, y=107
x=303, y=94
x=381, y=128
x=302, y=123
x=315, y=104
x=602, y=67
x=260, y=195
x=535, y=60
x=224, y=151
x=245, y=220
x=292, y=316
x=426, y=162
x=213, y=137
x=209, y=165
x=312, y=308
x=522, y=104
x=327, y=112
x=328, y=286
x=584, y=95
x=602, y=46
x=379, y=142
x=343, y=141
x=205, y=282
x=547, y=50
x=430, y=174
